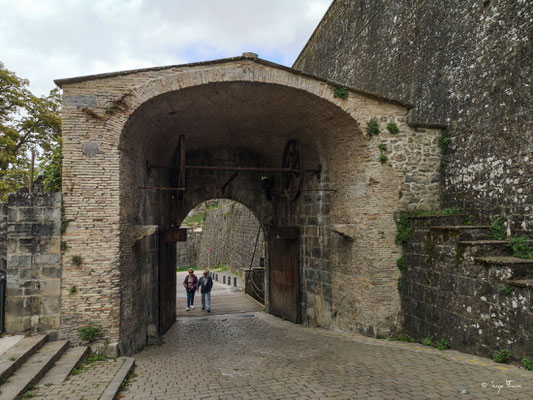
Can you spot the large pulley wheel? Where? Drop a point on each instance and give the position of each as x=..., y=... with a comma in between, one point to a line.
x=179, y=165
x=292, y=180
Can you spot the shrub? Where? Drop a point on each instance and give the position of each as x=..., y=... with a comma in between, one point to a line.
x=497, y=230
x=383, y=147
x=528, y=365
x=428, y=341
x=520, y=246
x=90, y=333
x=341, y=92
x=469, y=220
x=383, y=158
x=372, y=127
x=393, y=128
x=443, y=344
x=503, y=356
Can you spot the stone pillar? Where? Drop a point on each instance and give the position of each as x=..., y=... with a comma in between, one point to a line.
x=33, y=262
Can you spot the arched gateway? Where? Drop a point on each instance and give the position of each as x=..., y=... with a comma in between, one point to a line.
x=134, y=140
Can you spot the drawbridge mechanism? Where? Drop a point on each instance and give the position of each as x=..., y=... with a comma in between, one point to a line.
x=292, y=170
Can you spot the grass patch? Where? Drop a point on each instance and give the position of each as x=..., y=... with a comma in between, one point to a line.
x=428, y=341
x=528, y=365
x=183, y=269
x=95, y=357
x=402, y=338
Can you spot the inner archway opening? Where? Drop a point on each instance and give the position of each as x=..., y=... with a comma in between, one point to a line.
x=226, y=242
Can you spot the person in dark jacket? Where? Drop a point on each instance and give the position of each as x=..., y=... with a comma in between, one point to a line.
x=204, y=286
x=191, y=284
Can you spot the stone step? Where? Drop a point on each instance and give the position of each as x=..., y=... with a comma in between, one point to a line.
x=33, y=369
x=448, y=220
x=485, y=248
x=505, y=268
x=72, y=358
x=465, y=232
x=15, y=356
x=523, y=283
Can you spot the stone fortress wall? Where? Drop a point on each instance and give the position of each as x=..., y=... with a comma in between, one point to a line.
x=30, y=257
x=464, y=64
x=230, y=232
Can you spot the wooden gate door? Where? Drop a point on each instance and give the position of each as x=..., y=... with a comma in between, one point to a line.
x=284, y=273
x=167, y=283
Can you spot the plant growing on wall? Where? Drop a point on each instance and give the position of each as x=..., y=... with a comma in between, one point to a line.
x=341, y=92
x=400, y=263
x=507, y=290
x=393, y=128
x=372, y=127
x=444, y=141
x=443, y=344
x=520, y=247
x=528, y=365
x=383, y=158
x=403, y=233
x=90, y=333
x=497, y=230
x=77, y=260
x=503, y=356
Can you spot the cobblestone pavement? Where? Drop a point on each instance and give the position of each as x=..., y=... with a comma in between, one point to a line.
x=258, y=356
x=90, y=384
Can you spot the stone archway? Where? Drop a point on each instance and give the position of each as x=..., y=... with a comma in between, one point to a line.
x=241, y=110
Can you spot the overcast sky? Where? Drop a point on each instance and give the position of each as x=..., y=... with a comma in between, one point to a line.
x=42, y=40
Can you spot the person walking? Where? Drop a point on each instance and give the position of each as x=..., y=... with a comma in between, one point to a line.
x=205, y=284
x=190, y=283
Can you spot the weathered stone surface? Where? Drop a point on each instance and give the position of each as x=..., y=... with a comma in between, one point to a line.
x=33, y=261
x=464, y=64
x=254, y=108
x=452, y=293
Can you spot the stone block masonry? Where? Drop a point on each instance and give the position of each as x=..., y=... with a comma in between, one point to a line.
x=478, y=83
x=187, y=252
x=33, y=253
x=230, y=232
x=460, y=285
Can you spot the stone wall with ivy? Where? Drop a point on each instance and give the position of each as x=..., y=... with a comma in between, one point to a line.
x=461, y=285
x=478, y=83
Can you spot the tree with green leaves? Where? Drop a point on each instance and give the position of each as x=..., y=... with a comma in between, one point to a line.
x=28, y=122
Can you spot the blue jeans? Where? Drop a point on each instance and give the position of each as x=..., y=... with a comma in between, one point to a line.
x=190, y=298
x=206, y=296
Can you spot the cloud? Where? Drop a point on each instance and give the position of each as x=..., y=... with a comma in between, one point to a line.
x=43, y=40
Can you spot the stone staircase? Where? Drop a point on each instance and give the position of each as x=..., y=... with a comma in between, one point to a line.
x=35, y=359
x=460, y=284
